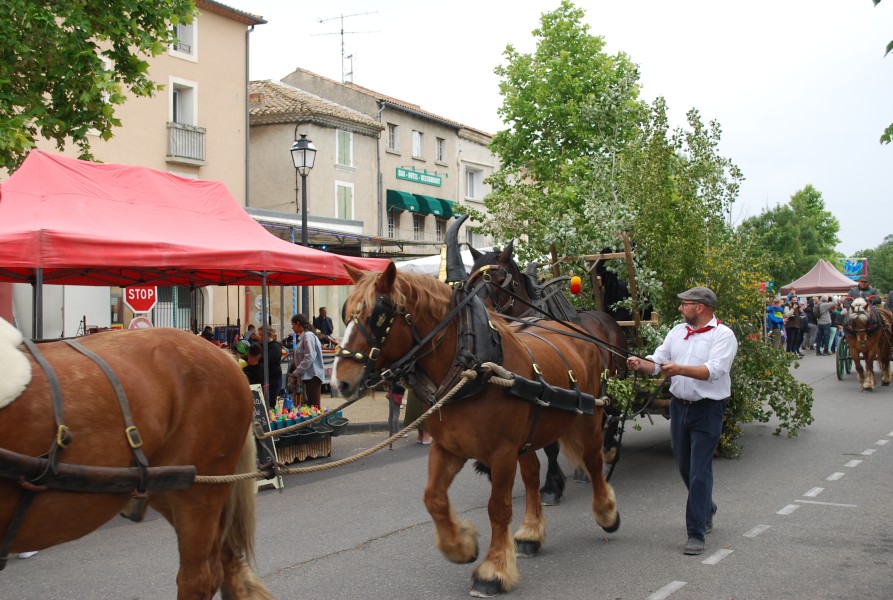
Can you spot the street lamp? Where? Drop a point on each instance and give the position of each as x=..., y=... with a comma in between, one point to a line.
x=303, y=153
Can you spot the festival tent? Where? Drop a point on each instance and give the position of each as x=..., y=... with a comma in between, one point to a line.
x=67, y=221
x=823, y=279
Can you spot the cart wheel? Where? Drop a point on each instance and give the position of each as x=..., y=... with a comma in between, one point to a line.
x=841, y=360
x=849, y=359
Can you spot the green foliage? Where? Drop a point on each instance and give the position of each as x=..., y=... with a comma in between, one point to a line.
x=584, y=159
x=795, y=235
x=887, y=136
x=65, y=64
x=880, y=264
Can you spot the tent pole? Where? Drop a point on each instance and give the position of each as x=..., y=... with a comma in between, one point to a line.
x=263, y=341
x=37, y=303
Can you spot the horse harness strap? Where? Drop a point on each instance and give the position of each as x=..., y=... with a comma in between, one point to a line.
x=130, y=431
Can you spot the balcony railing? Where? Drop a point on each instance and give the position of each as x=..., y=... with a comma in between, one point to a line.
x=185, y=141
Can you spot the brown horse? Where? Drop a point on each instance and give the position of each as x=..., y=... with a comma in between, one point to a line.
x=190, y=405
x=513, y=293
x=868, y=333
x=399, y=317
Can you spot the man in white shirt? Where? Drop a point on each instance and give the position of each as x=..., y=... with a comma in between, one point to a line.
x=697, y=354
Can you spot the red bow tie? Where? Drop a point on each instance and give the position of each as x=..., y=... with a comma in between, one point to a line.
x=690, y=332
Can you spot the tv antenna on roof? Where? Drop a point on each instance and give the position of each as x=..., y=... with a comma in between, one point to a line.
x=346, y=75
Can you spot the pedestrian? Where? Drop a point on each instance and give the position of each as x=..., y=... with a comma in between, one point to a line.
x=248, y=333
x=822, y=311
x=415, y=408
x=274, y=366
x=254, y=368
x=697, y=355
x=395, y=401
x=306, y=363
x=792, y=324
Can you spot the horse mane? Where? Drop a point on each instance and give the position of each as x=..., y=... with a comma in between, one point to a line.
x=429, y=297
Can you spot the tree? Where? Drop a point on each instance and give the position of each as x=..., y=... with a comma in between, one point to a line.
x=583, y=159
x=887, y=136
x=880, y=264
x=66, y=64
x=795, y=235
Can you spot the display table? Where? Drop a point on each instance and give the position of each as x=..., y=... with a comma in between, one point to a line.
x=300, y=452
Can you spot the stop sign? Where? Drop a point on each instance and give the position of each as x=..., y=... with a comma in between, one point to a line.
x=140, y=298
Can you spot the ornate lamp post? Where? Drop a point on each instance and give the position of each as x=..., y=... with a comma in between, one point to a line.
x=303, y=153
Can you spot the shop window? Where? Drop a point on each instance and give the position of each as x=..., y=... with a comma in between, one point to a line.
x=440, y=224
x=418, y=227
x=393, y=223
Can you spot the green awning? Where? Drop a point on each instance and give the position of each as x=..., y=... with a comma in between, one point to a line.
x=438, y=207
x=402, y=201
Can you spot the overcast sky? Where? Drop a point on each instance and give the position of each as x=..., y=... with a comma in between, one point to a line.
x=801, y=88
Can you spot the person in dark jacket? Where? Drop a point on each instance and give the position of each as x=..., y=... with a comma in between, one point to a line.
x=254, y=370
x=274, y=367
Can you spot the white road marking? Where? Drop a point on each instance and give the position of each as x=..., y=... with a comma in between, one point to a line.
x=668, y=589
x=881, y=442
x=787, y=509
x=868, y=452
x=814, y=492
x=716, y=556
x=756, y=531
x=825, y=503
x=834, y=476
x=853, y=463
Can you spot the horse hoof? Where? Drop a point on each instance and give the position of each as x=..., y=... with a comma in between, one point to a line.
x=528, y=548
x=615, y=526
x=550, y=499
x=482, y=588
x=581, y=476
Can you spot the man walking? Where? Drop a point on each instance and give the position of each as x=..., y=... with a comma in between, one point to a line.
x=697, y=354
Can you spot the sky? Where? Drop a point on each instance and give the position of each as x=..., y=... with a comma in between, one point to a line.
x=800, y=88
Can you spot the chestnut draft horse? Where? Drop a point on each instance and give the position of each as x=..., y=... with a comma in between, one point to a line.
x=175, y=384
x=399, y=321
x=868, y=333
x=507, y=285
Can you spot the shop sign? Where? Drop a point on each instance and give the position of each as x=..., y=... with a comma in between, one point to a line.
x=419, y=177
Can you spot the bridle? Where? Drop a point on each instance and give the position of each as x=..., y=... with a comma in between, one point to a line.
x=381, y=320
x=508, y=285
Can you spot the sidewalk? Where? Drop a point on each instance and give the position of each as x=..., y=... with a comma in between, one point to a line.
x=368, y=414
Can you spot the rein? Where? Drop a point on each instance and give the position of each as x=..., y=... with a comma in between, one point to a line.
x=579, y=333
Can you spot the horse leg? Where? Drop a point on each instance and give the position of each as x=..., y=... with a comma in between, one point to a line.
x=456, y=540
x=884, y=364
x=553, y=488
x=868, y=382
x=587, y=441
x=530, y=536
x=499, y=570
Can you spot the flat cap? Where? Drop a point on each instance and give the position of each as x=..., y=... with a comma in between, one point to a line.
x=701, y=294
x=864, y=278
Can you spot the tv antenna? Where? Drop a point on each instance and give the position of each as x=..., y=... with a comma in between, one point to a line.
x=346, y=75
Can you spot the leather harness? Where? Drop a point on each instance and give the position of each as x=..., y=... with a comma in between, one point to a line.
x=37, y=474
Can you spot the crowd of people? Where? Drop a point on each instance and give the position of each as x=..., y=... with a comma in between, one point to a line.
x=816, y=323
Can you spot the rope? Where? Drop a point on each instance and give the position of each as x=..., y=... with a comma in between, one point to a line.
x=503, y=378
x=466, y=377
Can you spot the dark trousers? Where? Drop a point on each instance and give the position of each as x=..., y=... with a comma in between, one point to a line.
x=695, y=431
x=793, y=339
x=312, y=388
x=822, y=335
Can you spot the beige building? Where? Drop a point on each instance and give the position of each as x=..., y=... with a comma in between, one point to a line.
x=195, y=127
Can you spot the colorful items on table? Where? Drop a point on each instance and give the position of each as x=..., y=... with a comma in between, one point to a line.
x=284, y=417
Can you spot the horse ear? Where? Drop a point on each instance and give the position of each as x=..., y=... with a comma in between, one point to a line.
x=385, y=281
x=475, y=253
x=507, y=255
x=355, y=274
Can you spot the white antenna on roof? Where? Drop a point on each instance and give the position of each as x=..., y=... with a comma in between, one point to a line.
x=346, y=75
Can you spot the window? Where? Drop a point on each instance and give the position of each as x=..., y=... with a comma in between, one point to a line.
x=474, y=183
x=393, y=223
x=187, y=40
x=440, y=151
x=393, y=137
x=184, y=96
x=344, y=200
x=344, y=148
x=441, y=229
x=416, y=144
x=418, y=227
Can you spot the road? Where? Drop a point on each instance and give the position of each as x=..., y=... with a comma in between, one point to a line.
x=805, y=517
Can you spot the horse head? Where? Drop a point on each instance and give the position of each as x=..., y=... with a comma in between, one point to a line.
x=506, y=281
x=860, y=314
x=386, y=314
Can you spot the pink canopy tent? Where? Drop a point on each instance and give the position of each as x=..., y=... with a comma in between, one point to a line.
x=823, y=279
x=84, y=223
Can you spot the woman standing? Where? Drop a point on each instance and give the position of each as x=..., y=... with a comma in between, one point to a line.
x=307, y=362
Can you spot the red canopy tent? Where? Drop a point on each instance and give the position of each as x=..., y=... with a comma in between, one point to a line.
x=82, y=223
x=822, y=279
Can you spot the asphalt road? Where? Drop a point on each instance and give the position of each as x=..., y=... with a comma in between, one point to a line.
x=807, y=517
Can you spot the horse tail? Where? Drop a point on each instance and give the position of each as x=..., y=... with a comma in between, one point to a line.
x=482, y=469
x=239, y=514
